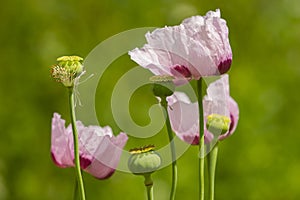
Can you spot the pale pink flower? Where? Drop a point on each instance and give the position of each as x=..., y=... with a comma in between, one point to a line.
x=198, y=47
x=185, y=118
x=99, y=149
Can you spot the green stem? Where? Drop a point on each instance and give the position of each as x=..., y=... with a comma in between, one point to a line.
x=75, y=195
x=76, y=144
x=201, y=140
x=173, y=152
x=149, y=186
x=211, y=162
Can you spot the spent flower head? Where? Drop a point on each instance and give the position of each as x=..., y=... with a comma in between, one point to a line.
x=68, y=70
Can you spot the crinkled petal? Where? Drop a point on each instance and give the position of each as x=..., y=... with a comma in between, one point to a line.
x=182, y=50
x=171, y=46
x=184, y=119
x=180, y=109
x=179, y=113
x=199, y=44
x=216, y=100
x=91, y=137
x=156, y=60
x=106, y=154
x=99, y=150
x=61, y=140
x=212, y=32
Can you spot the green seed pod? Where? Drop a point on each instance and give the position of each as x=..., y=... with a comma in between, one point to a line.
x=163, y=86
x=217, y=124
x=144, y=160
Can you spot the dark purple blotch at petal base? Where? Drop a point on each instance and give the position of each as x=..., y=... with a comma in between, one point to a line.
x=191, y=139
x=181, y=70
x=84, y=162
x=224, y=66
x=231, y=123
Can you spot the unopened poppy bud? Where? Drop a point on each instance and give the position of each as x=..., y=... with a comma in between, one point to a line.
x=144, y=160
x=217, y=124
x=67, y=70
x=163, y=86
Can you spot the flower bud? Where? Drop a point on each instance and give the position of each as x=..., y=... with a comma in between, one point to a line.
x=67, y=70
x=217, y=124
x=144, y=160
x=163, y=86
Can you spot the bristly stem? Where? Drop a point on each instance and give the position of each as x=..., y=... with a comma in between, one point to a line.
x=173, y=152
x=76, y=144
x=211, y=163
x=201, y=139
x=149, y=186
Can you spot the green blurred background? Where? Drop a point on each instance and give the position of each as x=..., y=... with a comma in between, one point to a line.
x=260, y=161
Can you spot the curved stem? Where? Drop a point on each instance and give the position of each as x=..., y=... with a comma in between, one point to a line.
x=212, y=162
x=173, y=152
x=201, y=140
x=149, y=186
x=76, y=144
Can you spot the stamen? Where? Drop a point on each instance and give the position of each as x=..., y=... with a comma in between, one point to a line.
x=142, y=149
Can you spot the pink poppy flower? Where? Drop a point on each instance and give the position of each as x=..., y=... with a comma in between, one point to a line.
x=99, y=149
x=198, y=47
x=185, y=118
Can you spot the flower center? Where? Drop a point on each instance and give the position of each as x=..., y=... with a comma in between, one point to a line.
x=224, y=66
x=181, y=71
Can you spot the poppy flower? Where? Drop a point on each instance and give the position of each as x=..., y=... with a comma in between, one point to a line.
x=99, y=149
x=185, y=118
x=196, y=48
